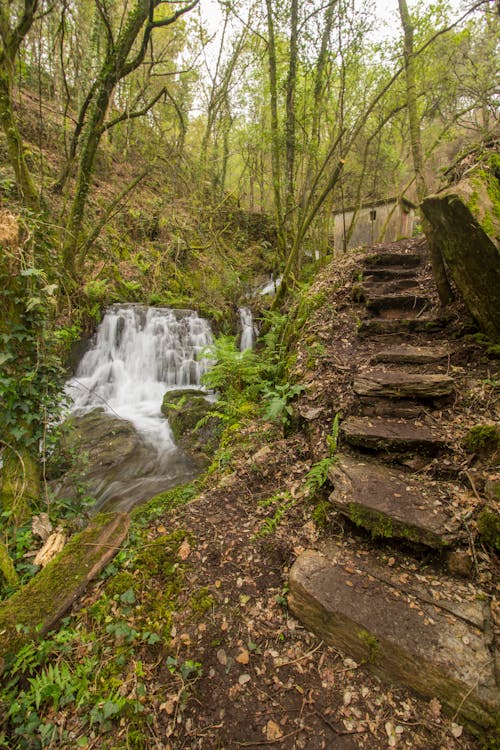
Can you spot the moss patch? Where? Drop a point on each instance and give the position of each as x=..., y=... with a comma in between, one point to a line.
x=483, y=439
x=376, y=523
x=488, y=525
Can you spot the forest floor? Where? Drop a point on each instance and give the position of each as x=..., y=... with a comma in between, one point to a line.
x=253, y=675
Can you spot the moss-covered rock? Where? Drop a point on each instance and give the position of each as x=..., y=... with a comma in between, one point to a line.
x=193, y=424
x=488, y=525
x=466, y=221
x=483, y=439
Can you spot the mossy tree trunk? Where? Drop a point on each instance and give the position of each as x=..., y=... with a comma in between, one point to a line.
x=20, y=485
x=124, y=55
x=12, y=36
x=7, y=569
x=438, y=267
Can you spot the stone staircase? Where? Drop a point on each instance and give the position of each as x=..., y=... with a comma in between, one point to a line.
x=429, y=632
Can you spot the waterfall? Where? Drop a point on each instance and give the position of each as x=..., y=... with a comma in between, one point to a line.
x=271, y=286
x=247, y=329
x=138, y=353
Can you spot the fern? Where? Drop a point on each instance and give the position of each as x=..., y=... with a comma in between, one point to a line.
x=269, y=525
x=318, y=473
x=332, y=439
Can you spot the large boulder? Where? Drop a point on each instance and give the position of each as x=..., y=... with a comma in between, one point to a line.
x=185, y=409
x=466, y=221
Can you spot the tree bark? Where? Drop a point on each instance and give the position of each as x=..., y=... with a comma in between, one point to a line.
x=438, y=267
x=275, y=145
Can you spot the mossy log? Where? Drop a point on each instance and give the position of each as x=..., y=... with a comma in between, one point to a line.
x=36, y=608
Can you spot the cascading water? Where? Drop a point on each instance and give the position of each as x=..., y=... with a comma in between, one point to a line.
x=137, y=355
x=247, y=329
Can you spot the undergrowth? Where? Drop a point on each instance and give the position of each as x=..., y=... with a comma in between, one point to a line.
x=95, y=668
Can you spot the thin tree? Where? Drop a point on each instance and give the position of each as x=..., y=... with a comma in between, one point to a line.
x=438, y=267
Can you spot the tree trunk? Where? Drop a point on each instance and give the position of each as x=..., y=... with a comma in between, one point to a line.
x=291, y=85
x=275, y=144
x=20, y=488
x=25, y=183
x=7, y=569
x=438, y=267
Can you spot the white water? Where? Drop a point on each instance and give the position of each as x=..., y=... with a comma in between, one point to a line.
x=271, y=286
x=137, y=355
x=247, y=329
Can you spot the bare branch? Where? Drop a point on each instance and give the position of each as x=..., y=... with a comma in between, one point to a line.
x=134, y=115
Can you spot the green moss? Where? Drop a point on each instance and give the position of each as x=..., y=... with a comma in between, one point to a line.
x=160, y=557
x=482, y=439
x=493, y=351
x=320, y=513
x=488, y=525
x=371, y=642
x=118, y=584
x=376, y=523
x=487, y=175
x=201, y=601
x=164, y=502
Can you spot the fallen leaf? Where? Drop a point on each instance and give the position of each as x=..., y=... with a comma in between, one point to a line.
x=243, y=657
x=435, y=708
x=184, y=550
x=391, y=734
x=244, y=678
x=222, y=657
x=273, y=731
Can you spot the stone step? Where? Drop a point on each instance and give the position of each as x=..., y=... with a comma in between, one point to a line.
x=390, y=384
x=403, y=408
x=379, y=434
x=389, y=503
x=388, y=274
x=393, y=304
x=403, y=260
x=369, y=289
x=439, y=648
x=405, y=326
x=419, y=355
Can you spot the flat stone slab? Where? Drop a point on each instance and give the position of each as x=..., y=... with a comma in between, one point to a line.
x=390, y=435
x=405, y=260
x=389, y=503
x=411, y=354
x=402, y=325
x=402, y=385
x=427, y=646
